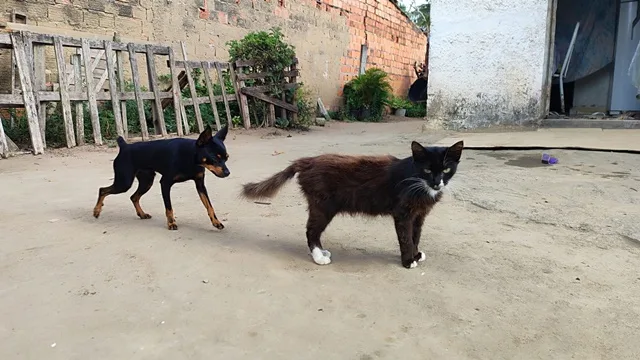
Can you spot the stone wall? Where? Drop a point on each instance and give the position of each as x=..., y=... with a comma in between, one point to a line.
x=327, y=34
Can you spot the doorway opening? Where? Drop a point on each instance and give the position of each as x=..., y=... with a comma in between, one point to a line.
x=594, y=44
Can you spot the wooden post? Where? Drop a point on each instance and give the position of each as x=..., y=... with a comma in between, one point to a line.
x=93, y=104
x=206, y=68
x=192, y=88
x=175, y=89
x=224, y=90
x=113, y=87
x=153, y=81
x=77, y=73
x=122, y=87
x=4, y=146
x=39, y=84
x=26, y=82
x=293, y=80
x=136, y=84
x=64, y=93
x=243, y=105
x=272, y=115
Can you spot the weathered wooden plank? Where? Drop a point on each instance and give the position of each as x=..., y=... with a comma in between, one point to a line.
x=122, y=85
x=192, y=89
x=39, y=84
x=64, y=94
x=153, y=82
x=93, y=104
x=272, y=115
x=201, y=99
x=75, y=61
x=198, y=64
x=101, y=96
x=212, y=98
x=277, y=102
x=69, y=41
x=4, y=146
x=24, y=72
x=113, y=87
x=105, y=74
x=262, y=75
x=175, y=90
x=242, y=99
x=267, y=88
x=224, y=91
x=136, y=84
x=294, y=116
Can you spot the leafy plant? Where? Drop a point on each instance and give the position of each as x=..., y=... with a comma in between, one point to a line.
x=417, y=110
x=271, y=55
x=367, y=94
x=269, y=51
x=399, y=103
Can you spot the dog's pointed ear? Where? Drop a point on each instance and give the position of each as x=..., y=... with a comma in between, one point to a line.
x=204, y=137
x=418, y=151
x=222, y=133
x=455, y=151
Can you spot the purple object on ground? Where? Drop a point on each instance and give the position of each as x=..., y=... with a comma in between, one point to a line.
x=553, y=160
x=545, y=158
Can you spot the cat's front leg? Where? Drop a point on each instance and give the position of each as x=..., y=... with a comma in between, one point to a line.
x=418, y=221
x=404, y=231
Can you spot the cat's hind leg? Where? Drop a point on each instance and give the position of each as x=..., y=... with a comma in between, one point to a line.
x=319, y=218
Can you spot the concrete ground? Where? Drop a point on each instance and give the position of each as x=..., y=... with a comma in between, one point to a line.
x=525, y=261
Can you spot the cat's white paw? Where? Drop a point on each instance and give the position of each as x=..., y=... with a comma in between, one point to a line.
x=423, y=257
x=320, y=256
x=413, y=264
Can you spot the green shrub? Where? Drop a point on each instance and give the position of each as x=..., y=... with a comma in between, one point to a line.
x=399, y=103
x=366, y=95
x=272, y=55
x=417, y=110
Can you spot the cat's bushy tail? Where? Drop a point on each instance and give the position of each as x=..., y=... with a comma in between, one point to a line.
x=269, y=187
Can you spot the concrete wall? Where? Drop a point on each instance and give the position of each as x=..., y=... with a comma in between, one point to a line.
x=487, y=62
x=325, y=34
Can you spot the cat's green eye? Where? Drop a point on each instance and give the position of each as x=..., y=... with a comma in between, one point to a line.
x=427, y=171
x=446, y=171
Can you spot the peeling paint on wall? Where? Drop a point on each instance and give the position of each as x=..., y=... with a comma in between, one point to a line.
x=486, y=63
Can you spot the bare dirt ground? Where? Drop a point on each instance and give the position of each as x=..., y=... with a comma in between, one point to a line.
x=525, y=261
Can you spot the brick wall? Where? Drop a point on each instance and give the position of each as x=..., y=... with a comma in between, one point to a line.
x=327, y=34
x=394, y=43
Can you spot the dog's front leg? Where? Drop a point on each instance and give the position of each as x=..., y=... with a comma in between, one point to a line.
x=166, y=184
x=204, y=197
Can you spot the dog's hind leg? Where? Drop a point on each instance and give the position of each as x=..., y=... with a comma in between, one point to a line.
x=166, y=184
x=145, y=181
x=123, y=179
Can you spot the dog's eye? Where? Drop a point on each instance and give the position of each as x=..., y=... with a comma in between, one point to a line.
x=427, y=171
x=218, y=156
x=446, y=171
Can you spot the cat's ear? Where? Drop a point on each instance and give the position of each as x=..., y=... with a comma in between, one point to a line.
x=454, y=152
x=418, y=151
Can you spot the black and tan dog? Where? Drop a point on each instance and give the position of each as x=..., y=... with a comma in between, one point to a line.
x=177, y=160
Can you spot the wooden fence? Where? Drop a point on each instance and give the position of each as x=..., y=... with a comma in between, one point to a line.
x=79, y=83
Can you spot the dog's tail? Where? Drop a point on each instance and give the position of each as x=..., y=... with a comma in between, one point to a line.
x=121, y=142
x=269, y=187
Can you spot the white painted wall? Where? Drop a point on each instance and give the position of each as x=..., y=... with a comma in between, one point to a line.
x=487, y=60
